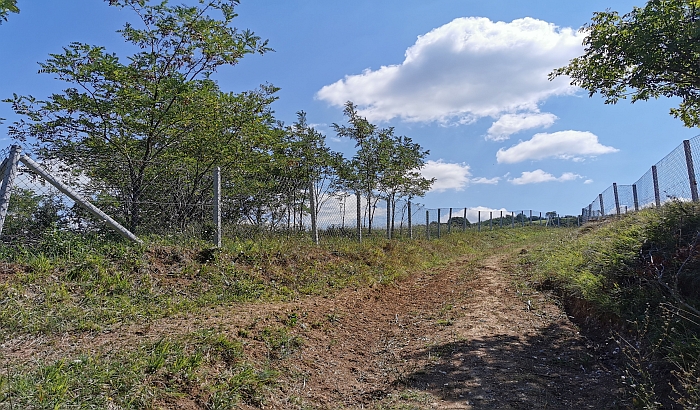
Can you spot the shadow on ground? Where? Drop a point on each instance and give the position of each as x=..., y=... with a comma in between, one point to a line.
x=553, y=369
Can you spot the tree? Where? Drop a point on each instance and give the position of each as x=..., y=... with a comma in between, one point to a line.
x=6, y=7
x=361, y=173
x=651, y=52
x=384, y=162
x=128, y=124
x=401, y=160
x=311, y=162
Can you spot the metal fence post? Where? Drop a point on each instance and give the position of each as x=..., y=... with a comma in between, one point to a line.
x=617, y=199
x=358, y=198
x=410, y=220
x=439, y=223
x=79, y=199
x=522, y=219
x=427, y=225
x=636, y=199
x=312, y=206
x=540, y=218
x=8, y=179
x=691, y=170
x=500, y=223
x=464, y=222
x=655, y=177
x=479, y=229
x=529, y=223
x=449, y=222
x=217, y=207
x=512, y=219
x=388, y=218
x=602, y=209
x=490, y=220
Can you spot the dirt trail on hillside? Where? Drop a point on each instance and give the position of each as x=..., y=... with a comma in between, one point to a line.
x=465, y=336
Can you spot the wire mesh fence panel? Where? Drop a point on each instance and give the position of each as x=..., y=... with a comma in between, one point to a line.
x=645, y=190
x=668, y=180
x=672, y=173
x=625, y=195
x=609, y=201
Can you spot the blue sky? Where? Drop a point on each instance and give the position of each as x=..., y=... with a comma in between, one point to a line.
x=465, y=79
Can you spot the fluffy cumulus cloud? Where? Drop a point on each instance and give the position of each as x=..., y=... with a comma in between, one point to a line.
x=573, y=145
x=452, y=176
x=539, y=176
x=509, y=124
x=447, y=175
x=467, y=69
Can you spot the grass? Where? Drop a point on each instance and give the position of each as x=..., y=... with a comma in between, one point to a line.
x=637, y=276
x=204, y=366
x=78, y=284
x=89, y=285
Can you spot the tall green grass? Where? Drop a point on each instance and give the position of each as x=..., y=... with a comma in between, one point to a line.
x=638, y=276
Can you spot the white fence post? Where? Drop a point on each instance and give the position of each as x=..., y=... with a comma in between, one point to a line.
x=217, y=207
x=312, y=206
x=8, y=179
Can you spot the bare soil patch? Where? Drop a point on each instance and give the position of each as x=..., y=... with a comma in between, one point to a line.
x=469, y=335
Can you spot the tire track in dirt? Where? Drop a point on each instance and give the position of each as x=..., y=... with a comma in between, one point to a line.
x=464, y=336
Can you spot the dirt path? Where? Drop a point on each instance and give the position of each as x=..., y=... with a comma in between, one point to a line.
x=466, y=336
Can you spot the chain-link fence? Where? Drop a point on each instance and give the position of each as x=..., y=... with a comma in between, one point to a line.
x=671, y=179
x=207, y=202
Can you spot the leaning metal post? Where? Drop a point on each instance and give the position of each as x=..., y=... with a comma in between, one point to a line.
x=79, y=199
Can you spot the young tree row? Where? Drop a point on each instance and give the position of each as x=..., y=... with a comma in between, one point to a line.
x=145, y=132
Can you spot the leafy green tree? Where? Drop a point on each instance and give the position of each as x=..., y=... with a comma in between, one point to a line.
x=362, y=172
x=401, y=161
x=384, y=166
x=311, y=162
x=130, y=125
x=650, y=52
x=31, y=215
x=6, y=7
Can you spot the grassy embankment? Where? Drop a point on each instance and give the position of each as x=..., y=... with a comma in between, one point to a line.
x=77, y=286
x=639, y=277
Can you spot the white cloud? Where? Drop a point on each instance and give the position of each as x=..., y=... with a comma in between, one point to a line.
x=539, y=176
x=447, y=175
x=563, y=144
x=588, y=181
x=510, y=124
x=464, y=70
x=489, y=181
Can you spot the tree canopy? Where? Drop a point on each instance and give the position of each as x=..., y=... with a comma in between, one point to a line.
x=650, y=52
x=143, y=133
x=7, y=7
x=126, y=122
